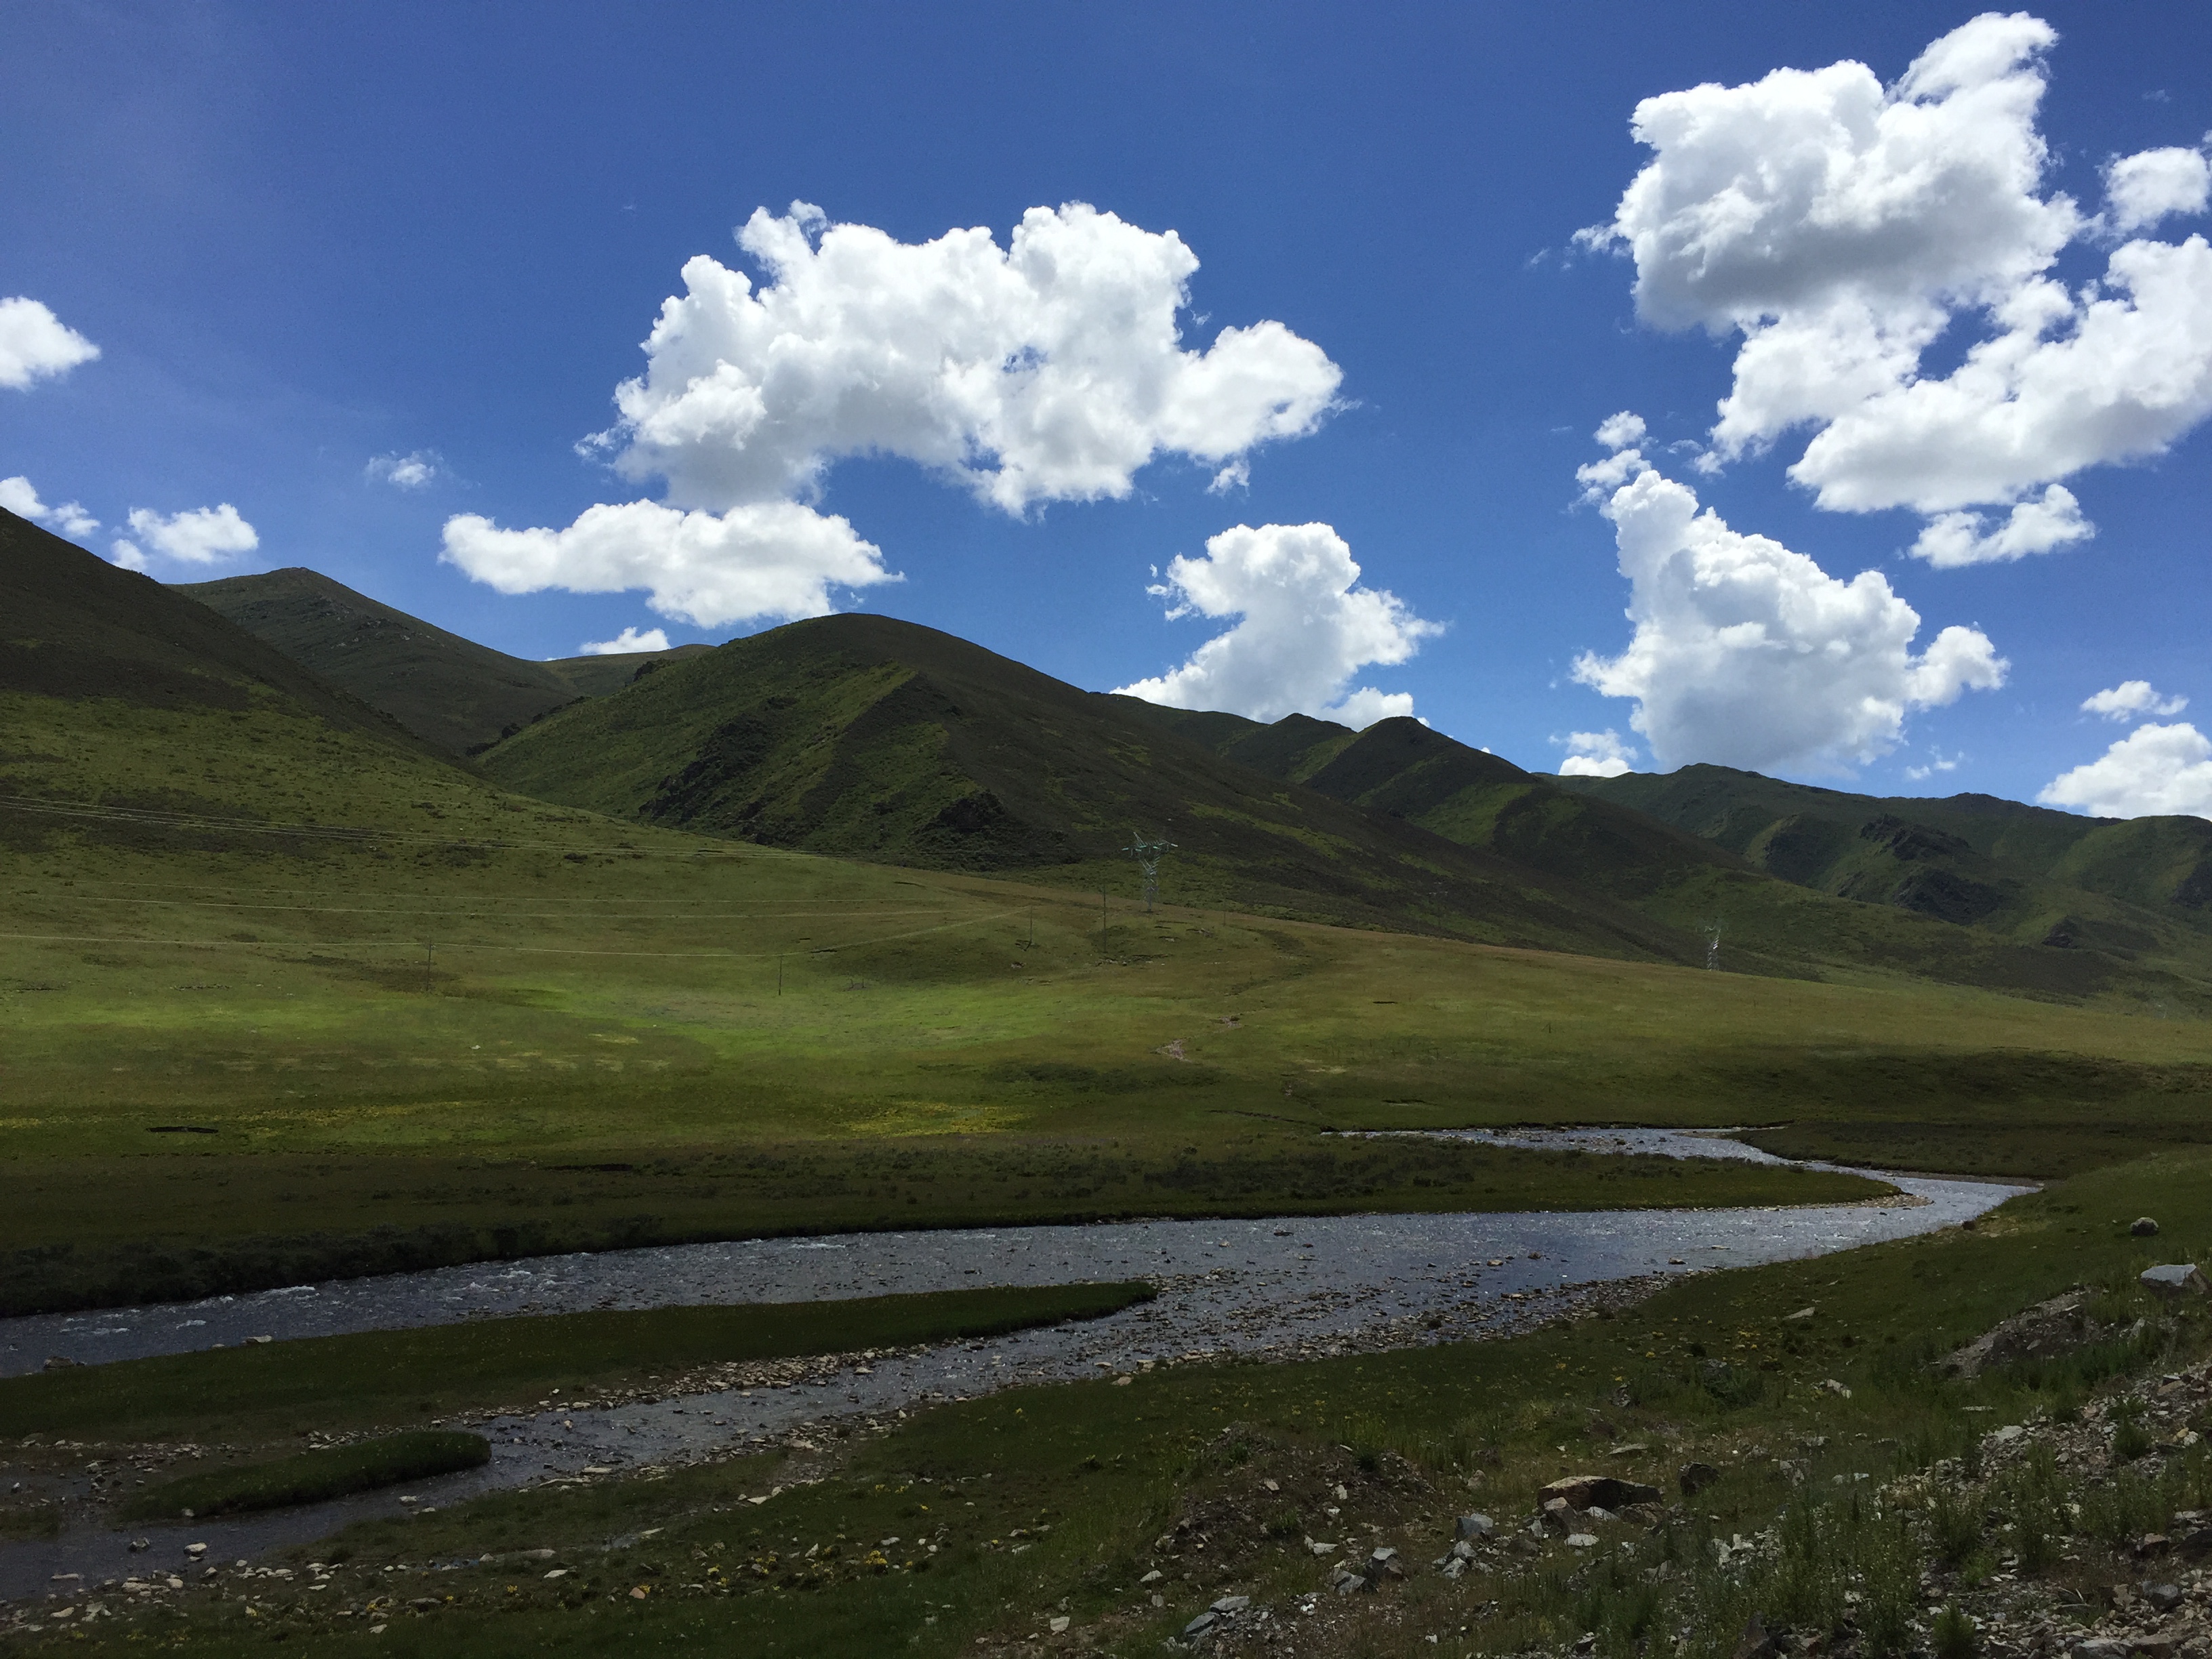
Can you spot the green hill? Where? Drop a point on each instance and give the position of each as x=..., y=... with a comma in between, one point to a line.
x=451, y=691
x=1856, y=889
x=868, y=738
x=2132, y=889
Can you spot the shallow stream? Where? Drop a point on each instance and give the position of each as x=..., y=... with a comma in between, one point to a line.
x=1285, y=1288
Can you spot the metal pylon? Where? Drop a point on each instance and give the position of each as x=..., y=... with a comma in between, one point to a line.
x=1147, y=854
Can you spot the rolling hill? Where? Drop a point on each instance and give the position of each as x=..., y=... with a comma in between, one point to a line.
x=2127, y=887
x=863, y=736
x=451, y=691
x=1661, y=864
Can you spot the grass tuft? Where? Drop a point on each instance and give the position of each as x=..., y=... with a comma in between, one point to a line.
x=315, y=1477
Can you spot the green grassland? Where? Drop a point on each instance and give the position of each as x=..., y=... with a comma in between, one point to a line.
x=398, y=1018
x=974, y=1522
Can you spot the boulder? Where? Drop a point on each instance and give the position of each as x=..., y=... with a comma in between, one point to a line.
x=2144, y=1227
x=1474, y=1526
x=1605, y=1492
x=1755, y=1642
x=2176, y=1280
x=2044, y=1332
x=1695, y=1478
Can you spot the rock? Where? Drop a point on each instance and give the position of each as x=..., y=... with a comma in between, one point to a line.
x=1056, y=1625
x=2197, y=1542
x=1462, y=1551
x=2046, y=1330
x=1695, y=1478
x=1230, y=1604
x=2175, y=1279
x=1320, y=1546
x=1156, y=1575
x=57, y=1362
x=1474, y=1526
x=1555, y=1516
x=2165, y=1597
x=195, y=1549
x=1583, y=1540
x=1606, y=1492
x=1453, y=1567
x=1755, y=1642
x=1799, y=1317
x=2153, y=1647
x=1198, y=1626
x=2144, y=1227
x=1599, y=1513
x=1522, y=1544
x=1837, y=1388
x=1347, y=1580
x=138, y=1544
x=2098, y=1647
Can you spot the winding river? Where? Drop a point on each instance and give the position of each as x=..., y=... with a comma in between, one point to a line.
x=1284, y=1289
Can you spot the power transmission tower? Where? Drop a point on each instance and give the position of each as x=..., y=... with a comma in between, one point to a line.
x=1713, y=945
x=1147, y=854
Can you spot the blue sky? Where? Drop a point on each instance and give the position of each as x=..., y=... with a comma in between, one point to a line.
x=305, y=238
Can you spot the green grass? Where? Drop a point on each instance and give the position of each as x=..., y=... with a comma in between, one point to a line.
x=439, y=1371
x=314, y=1477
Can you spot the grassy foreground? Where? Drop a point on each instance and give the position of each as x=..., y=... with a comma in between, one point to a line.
x=974, y=1525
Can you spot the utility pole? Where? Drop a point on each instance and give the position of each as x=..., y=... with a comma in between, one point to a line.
x=1102, y=921
x=1147, y=854
x=1713, y=945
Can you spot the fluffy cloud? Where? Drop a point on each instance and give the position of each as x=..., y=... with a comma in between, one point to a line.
x=2154, y=771
x=1748, y=654
x=2142, y=190
x=1595, y=754
x=412, y=472
x=1840, y=226
x=1051, y=369
x=201, y=535
x=37, y=345
x=69, y=519
x=2037, y=526
x=2132, y=700
x=630, y=640
x=1305, y=627
x=775, y=559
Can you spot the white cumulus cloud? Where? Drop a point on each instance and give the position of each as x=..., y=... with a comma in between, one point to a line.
x=1596, y=754
x=1305, y=627
x=416, y=470
x=775, y=559
x=1050, y=369
x=200, y=535
x=2153, y=771
x=69, y=519
x=2143, y=189
x=37, y=345
x=630, y=640
x=2132, y=700
x=2036, y=525
x=1749, y=654
x=1839, y=226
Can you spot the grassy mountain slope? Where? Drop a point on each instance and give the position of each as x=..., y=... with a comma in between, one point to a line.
x=1667, y=864
x=868, y=738
x=2132, y=888
x=451, y=691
